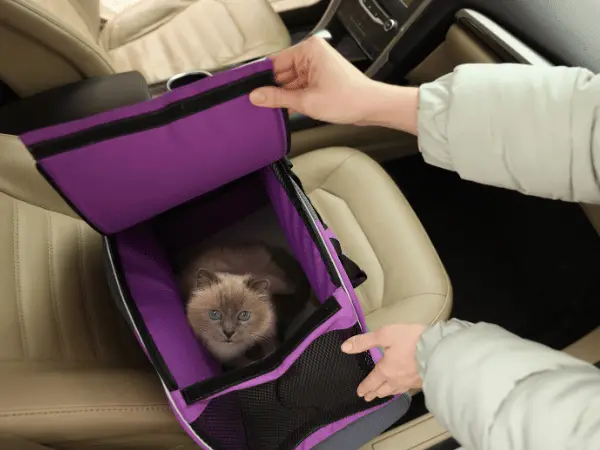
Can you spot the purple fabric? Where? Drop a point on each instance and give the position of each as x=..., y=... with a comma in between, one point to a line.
x=118, y=183
x=181, y=93
x=185, y=226
x=189, y=413
x=175, y=406
x=298, y=237
x=344, y=318
x=155, y=293
x=329, y=235
x=324, y=432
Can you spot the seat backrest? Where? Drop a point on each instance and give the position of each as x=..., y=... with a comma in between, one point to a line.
x=49, y=43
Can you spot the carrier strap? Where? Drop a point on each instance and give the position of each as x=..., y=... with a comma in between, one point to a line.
x=356, y=275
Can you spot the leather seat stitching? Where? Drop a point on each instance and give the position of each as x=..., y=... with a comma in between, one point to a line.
x=439, y=262
x=446, y=300
x=380, y=302
x=331, y=173
x=87, y=410
x=52, y=287
x=85, y=291
x=60, y=29
x=17, y=273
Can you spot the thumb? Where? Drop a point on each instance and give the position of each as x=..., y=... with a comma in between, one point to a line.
x=361, y=343
x=275, y=97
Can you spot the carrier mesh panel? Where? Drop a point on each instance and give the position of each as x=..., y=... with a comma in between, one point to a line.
x=319, y=388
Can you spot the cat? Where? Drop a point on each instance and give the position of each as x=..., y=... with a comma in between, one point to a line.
x=241, y=298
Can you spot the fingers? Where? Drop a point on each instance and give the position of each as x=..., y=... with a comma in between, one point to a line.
x=363, y=342
x=374, y=381
x=382, y=391
x=286, y=77
x=284, y=60
x=274, y=97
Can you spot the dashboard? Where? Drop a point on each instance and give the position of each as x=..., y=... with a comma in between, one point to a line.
x=397, y=34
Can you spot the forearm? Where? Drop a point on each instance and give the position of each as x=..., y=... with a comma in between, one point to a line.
x=530, y=129
x=391, y=107
x=494, y=390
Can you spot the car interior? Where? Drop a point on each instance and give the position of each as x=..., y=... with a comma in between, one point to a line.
x=434, y=246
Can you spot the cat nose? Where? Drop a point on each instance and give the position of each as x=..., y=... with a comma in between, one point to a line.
x=228, y=333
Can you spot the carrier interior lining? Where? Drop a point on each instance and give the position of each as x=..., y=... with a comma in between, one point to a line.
x=253, y=206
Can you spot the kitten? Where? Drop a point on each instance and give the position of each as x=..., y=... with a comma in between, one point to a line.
x=240, y=299
x=232, y=315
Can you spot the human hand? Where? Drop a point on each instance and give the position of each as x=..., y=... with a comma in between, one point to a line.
x=397, y=371
x=317, y=81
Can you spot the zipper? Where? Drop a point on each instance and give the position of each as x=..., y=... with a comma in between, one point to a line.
x=283, y=175
x=153, y=119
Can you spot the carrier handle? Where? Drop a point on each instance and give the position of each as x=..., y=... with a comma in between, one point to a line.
x=356, y=275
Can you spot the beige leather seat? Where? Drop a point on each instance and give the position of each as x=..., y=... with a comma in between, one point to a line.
x=291, y=5
x=71, y=374
x=379, y=230
x=159, y=38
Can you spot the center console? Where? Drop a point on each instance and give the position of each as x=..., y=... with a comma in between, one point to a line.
x=374, y=26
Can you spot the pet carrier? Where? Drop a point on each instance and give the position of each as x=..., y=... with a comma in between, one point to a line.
x=201, y=162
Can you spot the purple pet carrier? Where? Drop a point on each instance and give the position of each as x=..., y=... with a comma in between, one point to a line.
x=201, y=162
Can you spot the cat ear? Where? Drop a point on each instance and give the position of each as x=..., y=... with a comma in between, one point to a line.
x=205, y=278
x=261, y=285
x=282, y=285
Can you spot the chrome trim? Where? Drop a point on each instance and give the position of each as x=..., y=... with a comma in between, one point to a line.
x=515, y=47
x=324, y=34
x=385, y=54
x=178, y=76
x=377, y=20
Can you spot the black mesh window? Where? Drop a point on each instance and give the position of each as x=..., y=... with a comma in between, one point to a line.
x=319, y=389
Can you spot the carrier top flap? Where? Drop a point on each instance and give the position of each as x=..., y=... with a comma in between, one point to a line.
x=122, y=167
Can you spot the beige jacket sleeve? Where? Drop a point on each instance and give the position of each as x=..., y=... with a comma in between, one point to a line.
x=535, y=130
x=495, y=391
x=531, y=129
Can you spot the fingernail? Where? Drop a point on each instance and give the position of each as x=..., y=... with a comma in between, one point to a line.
x=257, y=97
x=347, y=346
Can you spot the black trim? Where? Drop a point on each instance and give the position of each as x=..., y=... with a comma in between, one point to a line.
x=7, y=95
x=153, y=354
x=66, y=199
x=288, y=130
x=597, y=364
x=285, y=177
x=289, y=167
x=448, y=444
x=356, y=275
x=207, y=388
x=163, y=116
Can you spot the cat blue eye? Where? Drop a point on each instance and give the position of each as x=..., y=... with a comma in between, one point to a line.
x=213, y=314
x=244, y=316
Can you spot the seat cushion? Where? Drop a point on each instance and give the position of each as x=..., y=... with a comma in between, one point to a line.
x=160, y=38
x=70, y=367
x=379, y=230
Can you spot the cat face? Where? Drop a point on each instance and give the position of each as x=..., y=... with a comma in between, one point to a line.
x=231, y=309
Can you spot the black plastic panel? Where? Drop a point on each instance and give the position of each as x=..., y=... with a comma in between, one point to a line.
x=73, y=101
x=563, y=32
